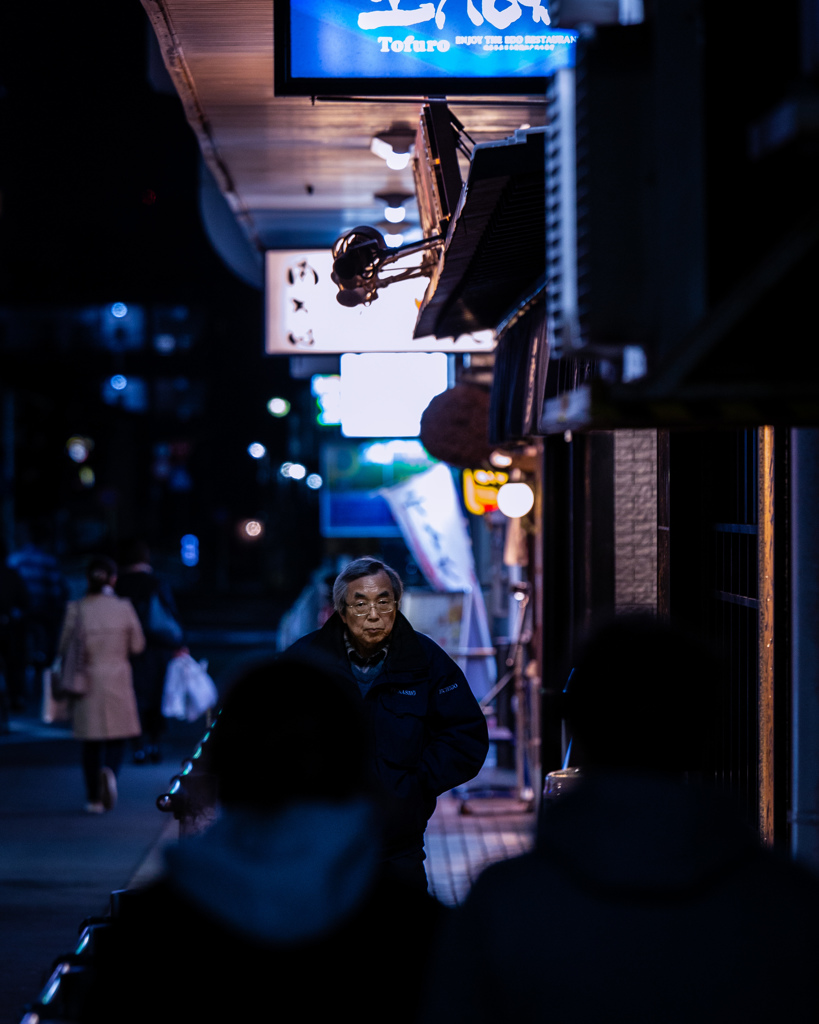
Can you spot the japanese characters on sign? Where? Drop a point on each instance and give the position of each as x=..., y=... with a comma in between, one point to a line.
x=426, y=508
x=396, y=15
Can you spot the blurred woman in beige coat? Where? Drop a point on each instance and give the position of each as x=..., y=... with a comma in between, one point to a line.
x=107, y=715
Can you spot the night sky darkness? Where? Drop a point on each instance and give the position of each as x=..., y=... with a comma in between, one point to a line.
x=99, y=186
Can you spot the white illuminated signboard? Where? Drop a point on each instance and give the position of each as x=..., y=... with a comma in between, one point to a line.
x=385, y=394
x=302, y=315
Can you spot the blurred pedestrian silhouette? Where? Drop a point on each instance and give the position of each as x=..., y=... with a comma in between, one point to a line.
x=646, y=899
x=47, y=591
x=13, y=606
x=279, y=909
x=139, y=583
x=107, y=714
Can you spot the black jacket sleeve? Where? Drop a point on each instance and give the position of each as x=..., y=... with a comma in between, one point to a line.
x=458, y=737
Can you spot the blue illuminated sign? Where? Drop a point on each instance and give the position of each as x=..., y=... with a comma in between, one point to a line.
x=350, y=503
x=389, y=46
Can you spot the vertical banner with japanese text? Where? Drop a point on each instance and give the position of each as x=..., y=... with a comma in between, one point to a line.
x=427, y=510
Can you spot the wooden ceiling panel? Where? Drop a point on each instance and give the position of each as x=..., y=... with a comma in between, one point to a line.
x=264, y=151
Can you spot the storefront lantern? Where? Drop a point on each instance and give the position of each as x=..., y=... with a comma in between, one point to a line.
x=516, y=499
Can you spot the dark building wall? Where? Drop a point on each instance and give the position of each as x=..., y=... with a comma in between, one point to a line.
x=716, y=576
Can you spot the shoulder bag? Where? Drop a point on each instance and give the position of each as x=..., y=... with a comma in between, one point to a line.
x=68, y=677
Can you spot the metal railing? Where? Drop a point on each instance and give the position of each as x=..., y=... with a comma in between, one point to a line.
x=64, y=994
x=191, y=798
x=191, y=795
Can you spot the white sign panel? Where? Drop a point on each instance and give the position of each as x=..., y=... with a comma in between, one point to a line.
x=384, y=394
x=302, y=314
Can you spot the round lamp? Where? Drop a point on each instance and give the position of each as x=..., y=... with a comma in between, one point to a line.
x=515, y=500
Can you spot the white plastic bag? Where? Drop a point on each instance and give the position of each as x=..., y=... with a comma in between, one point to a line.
x=189, y=690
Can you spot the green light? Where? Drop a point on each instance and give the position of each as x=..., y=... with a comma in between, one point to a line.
x=326, y=387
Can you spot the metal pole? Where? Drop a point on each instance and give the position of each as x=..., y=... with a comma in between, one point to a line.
x=516, y=662
x=520, y=723
x=765, y=535
x=536, y=596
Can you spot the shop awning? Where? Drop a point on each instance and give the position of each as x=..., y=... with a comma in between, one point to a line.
x=496, y=246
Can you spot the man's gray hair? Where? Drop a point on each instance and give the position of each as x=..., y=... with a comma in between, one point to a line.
x=363, y=567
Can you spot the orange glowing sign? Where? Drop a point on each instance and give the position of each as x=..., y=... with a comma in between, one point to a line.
x=481, y=489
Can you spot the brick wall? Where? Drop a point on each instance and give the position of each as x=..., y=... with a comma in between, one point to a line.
x=635, y=521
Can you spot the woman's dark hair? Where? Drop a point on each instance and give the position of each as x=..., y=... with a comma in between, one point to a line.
x=133, y=552
x=99, y=572
x=287, y=731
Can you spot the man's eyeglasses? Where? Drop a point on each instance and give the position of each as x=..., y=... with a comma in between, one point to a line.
x=382, y=606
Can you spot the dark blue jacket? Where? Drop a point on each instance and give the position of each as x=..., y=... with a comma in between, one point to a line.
x=429, y=733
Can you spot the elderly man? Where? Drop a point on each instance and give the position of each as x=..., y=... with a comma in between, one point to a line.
x=428, y=731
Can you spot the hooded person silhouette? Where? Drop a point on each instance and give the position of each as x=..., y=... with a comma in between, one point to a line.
x=646, y=898
x=282, y=901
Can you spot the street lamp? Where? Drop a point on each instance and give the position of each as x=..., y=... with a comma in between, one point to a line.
x=515, y=499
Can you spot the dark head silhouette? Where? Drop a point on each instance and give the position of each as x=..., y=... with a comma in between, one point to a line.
x=642, y=696
x=134, y=552
x=287, y=732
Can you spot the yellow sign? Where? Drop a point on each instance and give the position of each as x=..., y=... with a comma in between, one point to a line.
x=481, y=489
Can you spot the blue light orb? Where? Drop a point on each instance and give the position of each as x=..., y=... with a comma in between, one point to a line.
x=78, y=448
x=118, y=382
x=119, y=310
x=256, y=450
x=189, y=549
x=314, y=481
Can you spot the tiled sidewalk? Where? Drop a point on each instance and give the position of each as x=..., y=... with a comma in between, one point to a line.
x=459, y=846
